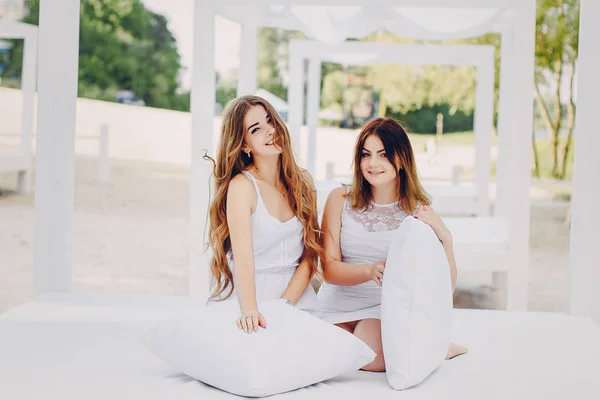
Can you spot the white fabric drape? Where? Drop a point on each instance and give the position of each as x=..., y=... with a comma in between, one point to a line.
x=334, y=24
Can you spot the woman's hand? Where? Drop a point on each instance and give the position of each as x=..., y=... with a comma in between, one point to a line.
x=431, y=218
x=251, y=320
x=375, y=272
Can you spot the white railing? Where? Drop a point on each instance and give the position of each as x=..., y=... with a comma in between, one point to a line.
x=103, y=151
x=330, y=174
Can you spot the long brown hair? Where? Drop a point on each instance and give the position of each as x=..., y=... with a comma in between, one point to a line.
x=400, y=154
x=231, y=161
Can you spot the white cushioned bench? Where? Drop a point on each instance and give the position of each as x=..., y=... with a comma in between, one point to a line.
x=480, y=243
x=85, y=346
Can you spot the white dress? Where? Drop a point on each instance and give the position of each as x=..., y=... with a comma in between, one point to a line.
x=364, y=239
x=277, y=249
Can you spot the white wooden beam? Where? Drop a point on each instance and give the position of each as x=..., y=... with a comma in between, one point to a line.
x=247, y=80
x=384, y=3
x=483, y=124
x=505, y=94
x=16, y=30
x=518, y=140
x=55, y=154
x=312, y=112
x=379, y=52
x=505, y=119
x=28, y=80
x=203, y=111
x=296, y=101
x=585, y=218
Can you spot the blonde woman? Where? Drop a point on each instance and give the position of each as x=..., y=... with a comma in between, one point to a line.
x=263, y=219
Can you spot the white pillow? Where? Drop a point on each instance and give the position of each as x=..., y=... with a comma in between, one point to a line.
x=416, y=305
x=296, y=349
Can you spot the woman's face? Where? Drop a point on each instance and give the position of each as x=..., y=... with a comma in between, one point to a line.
x=259, y=133
x=374, y=164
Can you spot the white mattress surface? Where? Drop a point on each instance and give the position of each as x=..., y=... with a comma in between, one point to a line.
x=85, y=346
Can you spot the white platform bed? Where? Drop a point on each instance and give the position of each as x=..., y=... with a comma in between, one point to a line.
x=85, y=346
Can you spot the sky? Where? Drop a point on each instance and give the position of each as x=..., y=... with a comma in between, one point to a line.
x=180, y=16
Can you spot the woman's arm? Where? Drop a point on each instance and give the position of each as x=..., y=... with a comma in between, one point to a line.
x=430, y=217
x=334, y=270
x=448, y=248
x=299, y=282
x=239, y=220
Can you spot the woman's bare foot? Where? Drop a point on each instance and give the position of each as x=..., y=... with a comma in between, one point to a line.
x=455, y=350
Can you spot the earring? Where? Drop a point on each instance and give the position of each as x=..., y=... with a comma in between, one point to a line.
x=248, y=154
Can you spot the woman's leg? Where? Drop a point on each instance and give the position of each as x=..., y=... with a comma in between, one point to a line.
x=369, y=331
x=455, y=350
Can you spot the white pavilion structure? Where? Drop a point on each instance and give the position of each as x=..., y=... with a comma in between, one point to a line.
x=84, y=345
x=21, y=160
x=474, y=200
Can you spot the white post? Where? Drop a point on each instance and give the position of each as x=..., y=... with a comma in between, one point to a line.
x=248, y=60
x=505, y=117
x=484, y=122
x=103, y=160
x=203, y=111
x=55, y=154
x=456, y=175
x=28, y=80
x=506, y=93
x=518, y=141
x=296, y=99
x=330, y=174
x=312, y=112
x=585, y=217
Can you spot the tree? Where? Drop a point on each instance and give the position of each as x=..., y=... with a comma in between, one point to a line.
x=273, y=56
x=123, y=46
x=225, y=90
x=556, y=50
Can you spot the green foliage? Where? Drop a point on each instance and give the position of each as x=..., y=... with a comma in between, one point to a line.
x=123, y=46
x=332, y=91
x=424, y=120
x=410, y=88
x=273, y=56
x=225, y=90
x=557, y=34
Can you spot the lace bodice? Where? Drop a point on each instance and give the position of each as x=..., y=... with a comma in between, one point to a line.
x=377, y=217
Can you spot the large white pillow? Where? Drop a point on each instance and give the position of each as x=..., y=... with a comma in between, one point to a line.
x=296, y=349
x=416, y=305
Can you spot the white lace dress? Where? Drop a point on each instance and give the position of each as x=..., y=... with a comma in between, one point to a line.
x=364, y=239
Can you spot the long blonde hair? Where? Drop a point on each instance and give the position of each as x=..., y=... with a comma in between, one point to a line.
x=399, y=152
x=231, y=161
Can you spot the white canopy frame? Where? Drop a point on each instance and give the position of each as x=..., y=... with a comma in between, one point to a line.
x=123, y=317
x=57, y=83
x=476, y=201
x=515, y=132
x=21, y=161
x=585, y=218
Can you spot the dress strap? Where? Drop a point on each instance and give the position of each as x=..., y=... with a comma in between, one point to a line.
x=346, y=198
x=419, y=204
x=253, y=179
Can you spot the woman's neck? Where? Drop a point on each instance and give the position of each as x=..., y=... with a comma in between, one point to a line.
x=268, y=169
x=385, y=194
